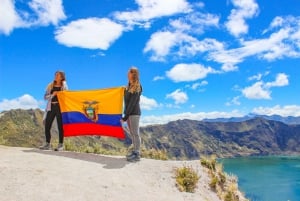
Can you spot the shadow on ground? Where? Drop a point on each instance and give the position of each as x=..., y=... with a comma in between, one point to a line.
x=109, y=162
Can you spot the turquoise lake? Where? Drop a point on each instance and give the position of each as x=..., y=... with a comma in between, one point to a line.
x=266, y=178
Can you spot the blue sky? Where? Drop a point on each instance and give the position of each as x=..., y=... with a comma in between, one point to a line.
x=197, y=59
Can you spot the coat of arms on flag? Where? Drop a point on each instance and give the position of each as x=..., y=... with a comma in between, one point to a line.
x=90, y=109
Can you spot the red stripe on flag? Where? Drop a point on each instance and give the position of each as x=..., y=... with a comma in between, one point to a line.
x=80, y=129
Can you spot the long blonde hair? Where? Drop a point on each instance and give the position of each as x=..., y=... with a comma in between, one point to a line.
x=134, y=85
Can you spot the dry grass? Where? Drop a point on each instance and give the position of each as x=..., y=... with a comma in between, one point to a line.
x=226, y=186
x=186, y=179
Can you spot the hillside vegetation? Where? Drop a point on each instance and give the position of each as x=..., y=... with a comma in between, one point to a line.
x=181, y=139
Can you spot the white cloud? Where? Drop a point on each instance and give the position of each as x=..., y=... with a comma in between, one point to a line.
x=165, y=43
x=24, y=102
x=189, y=46
x=41, y=13
x=161, y=43
x=172, y=106
x=156, y=78
x=234, y=101
x=228, y=57
x=245, y=9
x=91, y=33
x=282, y=43
x=257, y=91
x=178, y=38
x=261, y=90
x=148, y=103
x=150, y=9
x=194, y=23
x=285, y=111
x=198, y=85
x=277, y=22
x=9, y=18
x=178, y=96
x=163, y=119
x=228, y=67
x=281, y=80
x=180, y=25
x=47, y=11
x=258, y=76
x=188, y=72
x=276, y=46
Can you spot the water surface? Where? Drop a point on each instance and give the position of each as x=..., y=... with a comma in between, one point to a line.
x=275, y=178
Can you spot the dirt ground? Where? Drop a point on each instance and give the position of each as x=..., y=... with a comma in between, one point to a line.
x=35, y=175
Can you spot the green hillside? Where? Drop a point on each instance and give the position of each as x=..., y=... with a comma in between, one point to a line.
x=181, y=139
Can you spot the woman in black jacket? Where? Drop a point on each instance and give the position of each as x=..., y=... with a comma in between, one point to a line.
x=132, y=111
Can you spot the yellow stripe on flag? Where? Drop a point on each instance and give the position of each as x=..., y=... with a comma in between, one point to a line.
x=108, y=101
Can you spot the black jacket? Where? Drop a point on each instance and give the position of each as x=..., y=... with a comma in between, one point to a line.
x=132, y=104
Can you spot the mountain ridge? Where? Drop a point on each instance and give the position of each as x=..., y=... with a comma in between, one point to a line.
x=180, y=139
x=286, y=120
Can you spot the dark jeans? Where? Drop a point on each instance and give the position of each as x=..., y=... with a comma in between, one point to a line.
x=55, y=112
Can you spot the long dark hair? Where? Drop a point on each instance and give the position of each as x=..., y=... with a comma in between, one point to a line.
x=63, y=76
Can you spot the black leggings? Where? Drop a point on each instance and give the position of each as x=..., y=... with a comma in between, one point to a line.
x=55, y=112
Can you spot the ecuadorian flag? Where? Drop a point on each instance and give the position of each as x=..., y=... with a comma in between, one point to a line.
x=92, y=112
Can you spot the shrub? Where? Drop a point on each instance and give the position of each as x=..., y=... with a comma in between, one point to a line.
x=209, y=163
x=69, y=146
x=97, y=149
x=213, y=183
x=154, y=154
x=230, y=196
x=186, y=179
x=222, y=177
x=225, y=185
x=2, y=140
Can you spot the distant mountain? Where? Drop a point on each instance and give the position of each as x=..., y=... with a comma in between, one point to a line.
x=21, y=127
x=286, y=120
x=257, y=136
x=181, y=139
x=24, y=128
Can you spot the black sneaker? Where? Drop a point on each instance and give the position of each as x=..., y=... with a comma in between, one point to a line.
x=130, y=154
x=134, y=157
